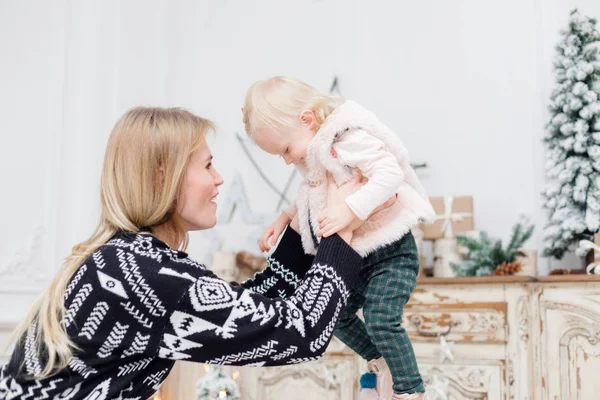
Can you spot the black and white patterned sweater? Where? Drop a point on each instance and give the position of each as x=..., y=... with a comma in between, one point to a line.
x=136, y=305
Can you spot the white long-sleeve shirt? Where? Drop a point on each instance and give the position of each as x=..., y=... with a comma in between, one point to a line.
x=357, y=149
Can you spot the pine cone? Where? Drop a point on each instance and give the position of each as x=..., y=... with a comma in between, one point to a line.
x=508, y=268
x=559, y=271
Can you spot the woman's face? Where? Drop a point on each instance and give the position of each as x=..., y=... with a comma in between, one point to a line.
x=199, y=190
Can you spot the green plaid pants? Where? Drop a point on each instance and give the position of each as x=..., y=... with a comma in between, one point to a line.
x=388, y=277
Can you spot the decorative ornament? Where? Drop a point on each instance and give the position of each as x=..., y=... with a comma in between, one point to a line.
x=215, y=385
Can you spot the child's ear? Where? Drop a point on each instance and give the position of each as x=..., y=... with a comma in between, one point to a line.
x=307, y=117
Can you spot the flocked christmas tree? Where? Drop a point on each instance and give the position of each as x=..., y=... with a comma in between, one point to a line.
x=572, y=194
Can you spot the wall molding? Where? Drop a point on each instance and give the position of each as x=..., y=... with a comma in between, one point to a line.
x=20, y=264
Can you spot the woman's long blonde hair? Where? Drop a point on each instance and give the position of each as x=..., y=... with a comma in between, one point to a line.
x=279, y=101
x=144, y=165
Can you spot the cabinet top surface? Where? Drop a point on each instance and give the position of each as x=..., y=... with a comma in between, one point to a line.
x=509, y=279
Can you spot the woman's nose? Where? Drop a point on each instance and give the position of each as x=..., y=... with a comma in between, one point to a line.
x=218, y=179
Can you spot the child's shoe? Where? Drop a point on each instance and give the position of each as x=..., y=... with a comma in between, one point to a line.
x=380, y=369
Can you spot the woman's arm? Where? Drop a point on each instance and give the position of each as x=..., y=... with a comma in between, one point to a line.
x=219, y=323
x=286, y=268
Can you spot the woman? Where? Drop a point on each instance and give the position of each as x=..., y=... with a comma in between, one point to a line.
x=126, y=304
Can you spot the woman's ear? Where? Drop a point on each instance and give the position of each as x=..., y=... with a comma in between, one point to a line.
x=307, y=117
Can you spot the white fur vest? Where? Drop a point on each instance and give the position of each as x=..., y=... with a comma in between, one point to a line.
x=384, y=227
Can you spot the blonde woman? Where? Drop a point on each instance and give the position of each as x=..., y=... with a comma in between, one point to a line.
x=129, y=301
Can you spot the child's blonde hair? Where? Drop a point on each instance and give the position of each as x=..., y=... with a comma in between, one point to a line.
x=144, y=165
x=278, y=102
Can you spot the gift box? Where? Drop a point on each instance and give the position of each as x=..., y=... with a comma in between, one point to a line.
x=224, y=265
x=454, y=214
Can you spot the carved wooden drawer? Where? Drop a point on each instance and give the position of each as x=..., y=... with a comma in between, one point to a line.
x=332, y=377
x=483, y=322
x=482, y=379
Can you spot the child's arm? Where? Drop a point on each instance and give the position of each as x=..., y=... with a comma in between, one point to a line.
x=360, y=150
x=276, y=228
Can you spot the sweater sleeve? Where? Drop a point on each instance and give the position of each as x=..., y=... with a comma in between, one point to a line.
x=219, y=323
x=358, y=149
x=285, y=268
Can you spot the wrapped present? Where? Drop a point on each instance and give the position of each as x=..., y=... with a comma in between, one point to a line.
x=529, y=263
x=454, y=214
x=224, y=265
x=444, y=255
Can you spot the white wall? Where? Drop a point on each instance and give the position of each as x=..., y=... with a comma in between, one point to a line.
x=464, y=83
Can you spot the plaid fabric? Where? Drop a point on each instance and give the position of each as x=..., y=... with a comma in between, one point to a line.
x=386, y=281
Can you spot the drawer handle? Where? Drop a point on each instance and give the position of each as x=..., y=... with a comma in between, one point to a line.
x=416, y=321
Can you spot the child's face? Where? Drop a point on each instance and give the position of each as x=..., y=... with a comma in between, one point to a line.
x=290, y=143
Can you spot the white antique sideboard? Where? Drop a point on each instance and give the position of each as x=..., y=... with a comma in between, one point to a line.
x=519, y=338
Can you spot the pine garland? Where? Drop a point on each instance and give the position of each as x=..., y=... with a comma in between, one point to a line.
x=485, y=255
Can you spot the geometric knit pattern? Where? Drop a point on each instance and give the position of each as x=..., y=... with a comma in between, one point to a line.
x=134, y=366
x=75, y=281
x=114, y=339
x=155, y=380
x=325, y=336
x=259, y=352
x=94, y=320
x=137, y=314
x=79, y=366
x=139, y=285
x=266, y=285
x=284, y=273
x=138, y=346
x=32, y=363
x=80, y=297
x=135, y=306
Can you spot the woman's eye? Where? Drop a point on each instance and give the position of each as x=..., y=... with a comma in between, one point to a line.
x=209, y=166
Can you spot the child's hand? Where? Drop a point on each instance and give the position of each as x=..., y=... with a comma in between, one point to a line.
x=334, y=220
x=273, y=232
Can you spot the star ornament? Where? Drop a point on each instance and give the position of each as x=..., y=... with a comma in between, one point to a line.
x=445, y=350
